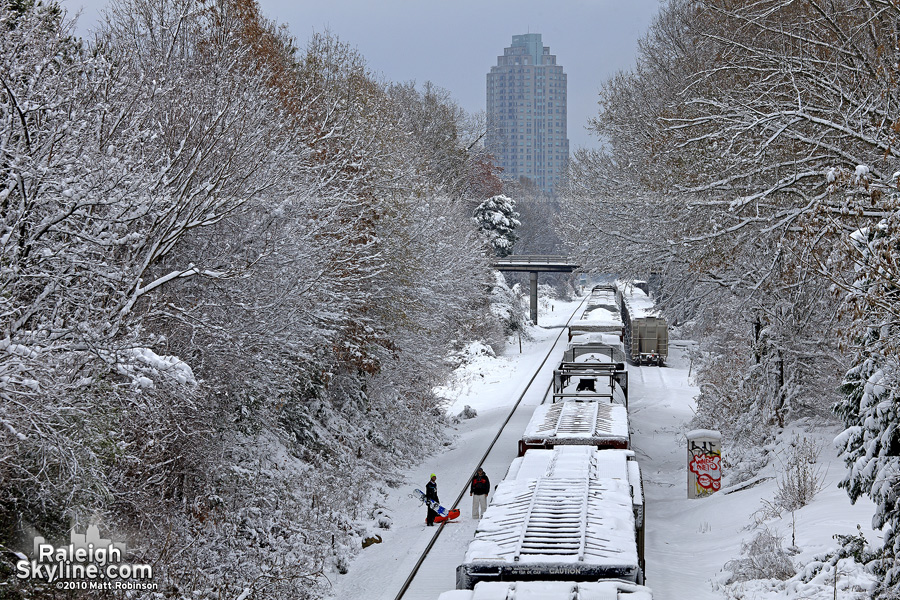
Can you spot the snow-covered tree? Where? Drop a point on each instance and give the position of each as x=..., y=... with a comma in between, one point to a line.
x=229, y=268
x=745, y=145
x=870, y=408
x=871, y=411
x=498, y=218
x=537, y=211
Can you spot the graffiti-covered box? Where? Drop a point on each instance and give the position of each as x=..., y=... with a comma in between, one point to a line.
x=704, y=468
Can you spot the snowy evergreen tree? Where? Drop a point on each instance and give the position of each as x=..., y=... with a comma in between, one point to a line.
x=497, y=216
x=871, y=404
x=869, y=446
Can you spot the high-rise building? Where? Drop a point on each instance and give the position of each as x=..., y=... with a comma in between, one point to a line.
x=526, y=113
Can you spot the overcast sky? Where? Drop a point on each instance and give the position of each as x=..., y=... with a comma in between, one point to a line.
x=454, y=43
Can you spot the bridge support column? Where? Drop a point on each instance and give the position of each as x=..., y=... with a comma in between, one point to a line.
x=534, y=298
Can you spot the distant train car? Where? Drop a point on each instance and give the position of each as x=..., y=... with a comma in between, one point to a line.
x=593, y=370
x=601, y=314
x=645, y=334
x=552, y=590
x=602, y=295
x=600, y=320
x=567, y=514
x=647, y=340
x=599, y=351
x=598, y=424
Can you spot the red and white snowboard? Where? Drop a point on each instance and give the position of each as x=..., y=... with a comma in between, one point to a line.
x=443, y=514
x=451, y=514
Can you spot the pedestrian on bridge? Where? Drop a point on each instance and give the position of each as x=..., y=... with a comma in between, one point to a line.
x=479, y=490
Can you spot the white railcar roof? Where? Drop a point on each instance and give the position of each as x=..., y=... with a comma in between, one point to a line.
x=578, y=337
x=580, y=422
x=553, y=521
x=639, y=303
x=572, y=461
x=552, y=590
x=601, y=314
x=580, y=461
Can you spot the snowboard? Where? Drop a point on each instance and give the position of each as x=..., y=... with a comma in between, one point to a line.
x=451, y=514
x=443, y=513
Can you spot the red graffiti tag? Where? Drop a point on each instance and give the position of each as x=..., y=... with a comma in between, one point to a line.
x=706, y=466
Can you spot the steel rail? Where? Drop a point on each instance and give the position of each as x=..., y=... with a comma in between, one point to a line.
x=487, y=452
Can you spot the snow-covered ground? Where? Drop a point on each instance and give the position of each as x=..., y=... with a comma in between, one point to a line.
x=688, y=541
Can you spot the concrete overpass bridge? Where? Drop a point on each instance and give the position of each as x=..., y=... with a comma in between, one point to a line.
x=534, y=264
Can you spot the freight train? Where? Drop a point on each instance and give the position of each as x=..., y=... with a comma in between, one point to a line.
x=567, y=521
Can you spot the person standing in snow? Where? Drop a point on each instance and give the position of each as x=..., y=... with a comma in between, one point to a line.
x=431, y=494
x=479, y=489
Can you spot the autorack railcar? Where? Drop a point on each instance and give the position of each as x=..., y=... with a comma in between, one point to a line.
x=565, y=514
x=593, y=423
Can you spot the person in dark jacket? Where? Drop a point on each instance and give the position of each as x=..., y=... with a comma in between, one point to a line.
x=479, y=489
x=431, y=494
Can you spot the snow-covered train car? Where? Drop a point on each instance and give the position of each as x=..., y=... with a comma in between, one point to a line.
x=598, y=320
x=601, y=314
x=592, y=423
x=577, y=337
x=578, y=461
x=645, y=334
x=566, y=514
x=591, y=371
x=594, y=351
x=552, y=590
x=602, y=296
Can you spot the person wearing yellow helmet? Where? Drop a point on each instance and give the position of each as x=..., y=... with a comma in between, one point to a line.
x=431, y=494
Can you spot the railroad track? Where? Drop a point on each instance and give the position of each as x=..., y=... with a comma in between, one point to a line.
x=440, y=529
